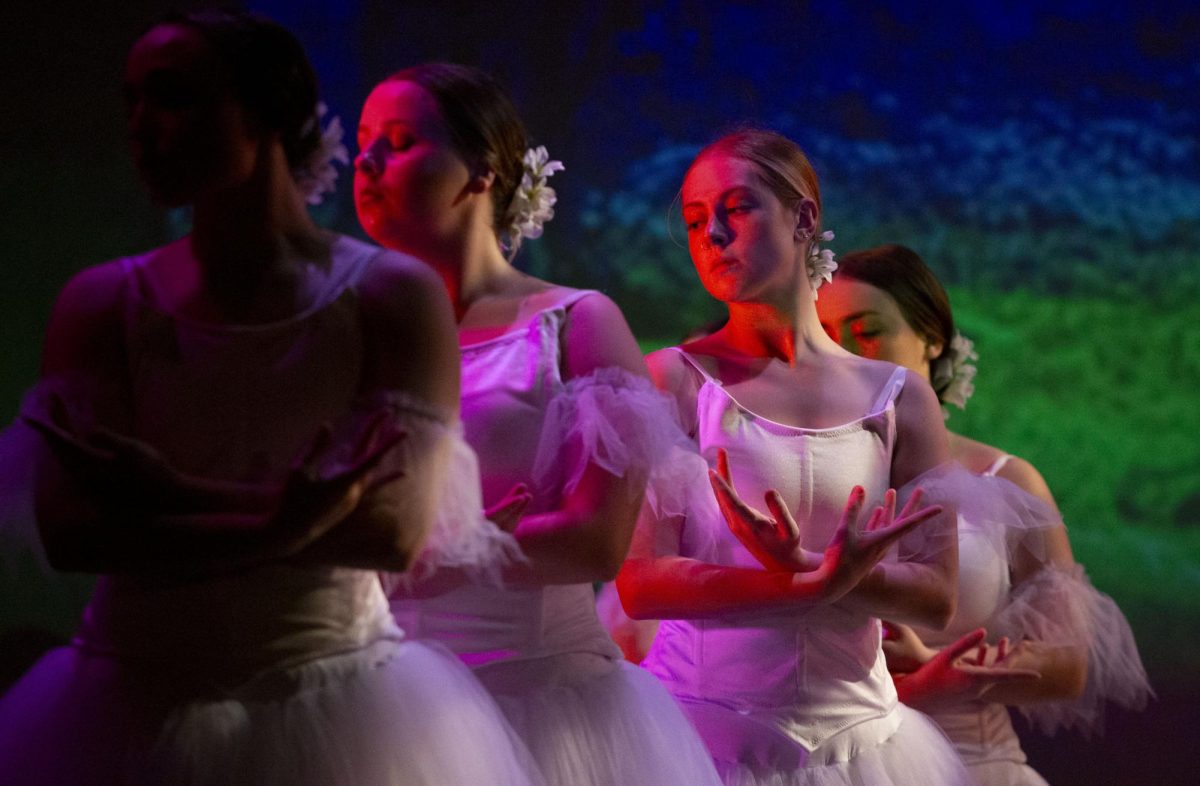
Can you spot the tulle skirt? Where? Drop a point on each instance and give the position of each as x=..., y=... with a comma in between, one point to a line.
x=393, y=712
x=901, y=749
x=594, y=721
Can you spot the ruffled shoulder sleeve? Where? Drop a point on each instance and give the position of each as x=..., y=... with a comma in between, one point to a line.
x=933, y=537
x=620, y=422
x=1055, y=605
x=1059, y=607
x=611, y=418
x=1009, y=518
x=441, y=471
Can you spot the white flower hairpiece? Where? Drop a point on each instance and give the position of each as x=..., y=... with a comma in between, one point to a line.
x=533, y=204
x=820, y=262
x=315, y=176
x=951, y=374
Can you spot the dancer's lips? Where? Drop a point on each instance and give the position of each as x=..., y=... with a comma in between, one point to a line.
x=368, y=196
x=723, y=264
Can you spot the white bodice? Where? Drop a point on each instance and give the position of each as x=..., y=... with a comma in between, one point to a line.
x=810, y=673
x=508, y=386
x=238, y=403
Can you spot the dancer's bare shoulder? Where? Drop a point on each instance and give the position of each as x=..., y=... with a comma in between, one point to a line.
x=87, y=323
x=597, y=336
x=410, y=335
x=668, y=369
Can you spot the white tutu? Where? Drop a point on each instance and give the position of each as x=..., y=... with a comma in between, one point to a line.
x=394, y=712
x=596, y=721
x=272, y=675
x=903, y=747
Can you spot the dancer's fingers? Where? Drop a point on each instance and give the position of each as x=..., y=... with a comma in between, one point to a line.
x=889, y=508
x=995, y=674
x=723, y=465
x=371, y=431
x=847, y=530
x=786, y=526
x=383, y=444
x=507, y=513
x=874, y=522
x=885, y=536
x=731, y=505
x=382, y=480
x=963, y=645
x=913, y=502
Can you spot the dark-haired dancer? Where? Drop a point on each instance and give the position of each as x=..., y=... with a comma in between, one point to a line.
x=557, y=404
x=1056, y=648
x=770, y=635
x=238, y=632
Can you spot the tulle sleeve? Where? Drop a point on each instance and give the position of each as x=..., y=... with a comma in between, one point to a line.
x=932, y=538
x=1059, y=606
x=1055, y=605
x=441, y=472
x=618, y=421
x=1008, y=517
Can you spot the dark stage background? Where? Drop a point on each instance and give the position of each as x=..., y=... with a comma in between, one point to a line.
x=1044, y=157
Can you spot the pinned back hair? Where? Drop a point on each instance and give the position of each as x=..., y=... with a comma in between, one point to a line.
x=779, y=161
x=267, y=70
x=483, y=123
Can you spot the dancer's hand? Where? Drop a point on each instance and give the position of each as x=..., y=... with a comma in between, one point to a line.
x=851, y=553
x=1002, y=652
x=325, y=483
x=956, y=675
x=903, y=648
x=118, y=468
x=506, y=514
x=774, y=540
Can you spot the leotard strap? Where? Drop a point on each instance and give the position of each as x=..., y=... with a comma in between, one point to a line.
x=691, y=361
x=890, y=390
x=996, y=466
x=574, y=297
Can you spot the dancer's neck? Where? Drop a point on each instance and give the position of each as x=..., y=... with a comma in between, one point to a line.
x=250, y=243
x=788, y=330
x=474, y=267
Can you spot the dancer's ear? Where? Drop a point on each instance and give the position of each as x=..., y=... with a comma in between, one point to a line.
x=481, y=181
x=806, y=219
